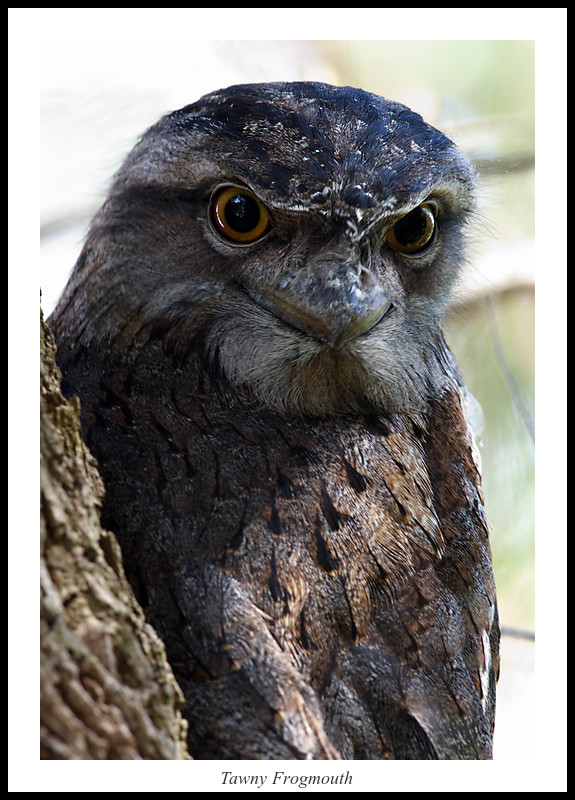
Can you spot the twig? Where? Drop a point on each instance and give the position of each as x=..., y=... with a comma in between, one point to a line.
x=505, y=370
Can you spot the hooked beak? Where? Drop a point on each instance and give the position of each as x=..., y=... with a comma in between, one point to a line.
x=342, y=305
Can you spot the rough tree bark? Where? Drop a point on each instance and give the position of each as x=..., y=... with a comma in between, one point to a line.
x=107, y=691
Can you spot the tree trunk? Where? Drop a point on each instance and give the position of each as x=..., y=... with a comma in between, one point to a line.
x=107, y=691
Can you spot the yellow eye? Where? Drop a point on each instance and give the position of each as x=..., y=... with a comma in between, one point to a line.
x=238, y=215
x=413, y=233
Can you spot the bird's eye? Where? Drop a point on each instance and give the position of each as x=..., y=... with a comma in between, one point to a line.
x=237, y=215
x=414, y=232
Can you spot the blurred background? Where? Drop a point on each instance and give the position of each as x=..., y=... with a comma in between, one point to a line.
x=97, y=97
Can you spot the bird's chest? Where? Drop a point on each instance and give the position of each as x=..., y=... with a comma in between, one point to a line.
x=321, y=523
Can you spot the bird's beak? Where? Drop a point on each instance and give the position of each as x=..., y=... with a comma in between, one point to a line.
x=345, y=302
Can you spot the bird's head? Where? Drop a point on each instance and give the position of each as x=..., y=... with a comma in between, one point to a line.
x=301, y=239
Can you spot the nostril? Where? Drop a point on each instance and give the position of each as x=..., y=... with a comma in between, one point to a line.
x=364, y=277
x=363, y=272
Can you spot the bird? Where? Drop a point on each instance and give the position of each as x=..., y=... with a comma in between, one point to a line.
x=253, y=329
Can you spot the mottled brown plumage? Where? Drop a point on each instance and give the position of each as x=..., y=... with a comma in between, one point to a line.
x=253, y=329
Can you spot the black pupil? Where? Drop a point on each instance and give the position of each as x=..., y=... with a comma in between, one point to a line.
x=410, y=230
x=242, y=213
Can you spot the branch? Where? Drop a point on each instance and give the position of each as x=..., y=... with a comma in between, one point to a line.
x=107, y=691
